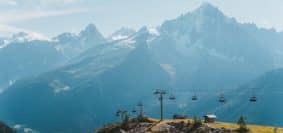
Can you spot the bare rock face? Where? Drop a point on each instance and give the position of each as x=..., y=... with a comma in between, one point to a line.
x=206, y=129
x=5, y=129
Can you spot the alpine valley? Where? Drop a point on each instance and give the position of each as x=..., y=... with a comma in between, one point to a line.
x=76, y=82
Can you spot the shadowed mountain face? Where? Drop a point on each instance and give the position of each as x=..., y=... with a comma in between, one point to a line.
x=5, y=129
x=27, y=58
x=204, y=51
x=86, y=98
x=268, y=90
x=266, y=110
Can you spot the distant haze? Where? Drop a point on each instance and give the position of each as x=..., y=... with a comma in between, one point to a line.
x=204, y=53
x=51, y=17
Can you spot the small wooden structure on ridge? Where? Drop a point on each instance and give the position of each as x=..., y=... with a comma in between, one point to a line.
x=210, y=118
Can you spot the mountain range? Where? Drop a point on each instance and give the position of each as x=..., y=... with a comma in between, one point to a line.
x=26, y=55
x=85, y=78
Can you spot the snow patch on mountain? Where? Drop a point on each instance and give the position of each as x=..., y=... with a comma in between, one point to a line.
x=24, y=129
x=4, y=44
x=121, y=34
x=129, y=41
x=169, y=69
x=58, y=86
x=153, y=31
x=119, y=37
x=215, y=53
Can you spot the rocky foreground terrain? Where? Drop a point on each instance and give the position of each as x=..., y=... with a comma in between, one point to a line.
x=165, y=126
x=5, y=129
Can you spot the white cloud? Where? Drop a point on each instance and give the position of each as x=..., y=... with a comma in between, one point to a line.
x=17, y=11
x=12, y=16
x=7, y=31
x=42, y=3
x=56, y=1
x=8, y=2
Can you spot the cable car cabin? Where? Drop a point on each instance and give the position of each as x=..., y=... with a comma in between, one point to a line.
x=210, y=118
x=118, y=113
x=156, y=92
x=194, y=98
x=222, y=99
x=172, y=97
x=253, y=99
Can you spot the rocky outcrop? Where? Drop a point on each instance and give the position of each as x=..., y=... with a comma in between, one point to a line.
x=5, y=129
x=163, y=127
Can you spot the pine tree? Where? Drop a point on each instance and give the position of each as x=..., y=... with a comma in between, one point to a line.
x=126, y=122
x=242, y=125
x=197, y=122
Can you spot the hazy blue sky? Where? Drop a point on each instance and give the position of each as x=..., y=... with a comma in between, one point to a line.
x=51, y=17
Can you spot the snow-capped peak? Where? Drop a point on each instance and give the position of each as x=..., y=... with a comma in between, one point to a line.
x=28, y=36
x=91, y=33
x=150, y=31
x=90, y=29
x=122, y=33
x=22, y=37
x=207, y=9
x=65, y=37
x=207, y=6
